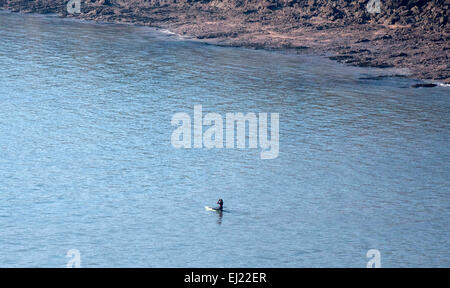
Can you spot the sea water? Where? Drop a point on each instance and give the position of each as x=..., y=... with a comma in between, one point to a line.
x=87, y=163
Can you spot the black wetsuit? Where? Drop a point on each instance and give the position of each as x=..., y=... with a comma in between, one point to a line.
x=220, y=202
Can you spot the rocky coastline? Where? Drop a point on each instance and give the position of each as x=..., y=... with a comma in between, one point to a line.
x=410, y=35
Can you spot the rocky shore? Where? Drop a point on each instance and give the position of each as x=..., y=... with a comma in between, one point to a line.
x=410, y=35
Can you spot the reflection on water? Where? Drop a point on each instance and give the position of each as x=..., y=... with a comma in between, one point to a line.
x=219, y=219
x=86, y=161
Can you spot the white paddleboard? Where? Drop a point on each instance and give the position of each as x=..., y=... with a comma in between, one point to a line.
x=209, y=208
x=212, y=209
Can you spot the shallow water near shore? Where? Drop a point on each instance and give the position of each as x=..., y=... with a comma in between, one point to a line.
x=86, y=160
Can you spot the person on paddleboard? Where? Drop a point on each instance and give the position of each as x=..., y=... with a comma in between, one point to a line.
x=220, y=202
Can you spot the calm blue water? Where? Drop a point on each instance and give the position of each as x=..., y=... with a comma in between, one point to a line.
x=86, y=161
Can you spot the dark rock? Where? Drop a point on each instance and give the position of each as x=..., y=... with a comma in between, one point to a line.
x=423, y=85
x=399, y=55
x=384, y=37
x=382, y=65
